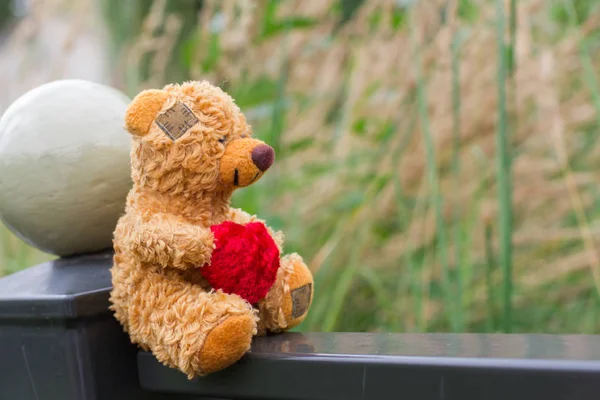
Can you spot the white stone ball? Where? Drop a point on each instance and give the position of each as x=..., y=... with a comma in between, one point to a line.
x=64, y=166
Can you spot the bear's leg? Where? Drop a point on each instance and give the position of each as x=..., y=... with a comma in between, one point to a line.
x=287, y=303
x=188, y=328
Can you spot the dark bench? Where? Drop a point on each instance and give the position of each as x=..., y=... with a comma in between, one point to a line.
x=59, y=341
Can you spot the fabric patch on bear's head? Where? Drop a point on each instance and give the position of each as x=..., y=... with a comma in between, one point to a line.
x=176, y=121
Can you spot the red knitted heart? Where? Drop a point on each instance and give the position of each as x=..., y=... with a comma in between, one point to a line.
x=245, y=260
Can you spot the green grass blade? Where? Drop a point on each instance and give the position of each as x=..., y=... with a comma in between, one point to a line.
x=489, y=270
x=513, y=36
x=456, y=207
x=503, y=172
x=433, y=181
x=414, y=284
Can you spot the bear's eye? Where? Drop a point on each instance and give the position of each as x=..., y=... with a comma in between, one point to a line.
x=244, y=136
x=222, y=140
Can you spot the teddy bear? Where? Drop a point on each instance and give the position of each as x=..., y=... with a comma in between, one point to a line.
x=191, y=148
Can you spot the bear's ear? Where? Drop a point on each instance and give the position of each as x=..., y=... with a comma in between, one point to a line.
x=143, y=110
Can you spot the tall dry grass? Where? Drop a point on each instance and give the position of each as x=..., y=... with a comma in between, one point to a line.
x=386, y=129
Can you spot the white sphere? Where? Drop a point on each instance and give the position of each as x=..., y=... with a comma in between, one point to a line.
x=64, y=166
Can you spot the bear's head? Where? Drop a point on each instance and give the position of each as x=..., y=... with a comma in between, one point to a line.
x=192, y=139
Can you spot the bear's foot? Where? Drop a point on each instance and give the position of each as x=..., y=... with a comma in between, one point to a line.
x=226, y=343
x=288, y=301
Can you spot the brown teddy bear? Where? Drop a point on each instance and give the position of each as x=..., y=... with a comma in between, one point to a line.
x=192, y=147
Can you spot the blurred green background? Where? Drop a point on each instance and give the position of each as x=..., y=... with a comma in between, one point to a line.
x=437, y=161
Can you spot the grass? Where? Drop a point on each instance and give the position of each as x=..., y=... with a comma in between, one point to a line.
x=437, y=161
x=436, y=200
x=504, y=171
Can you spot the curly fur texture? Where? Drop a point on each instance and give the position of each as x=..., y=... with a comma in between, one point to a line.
x=180, y=190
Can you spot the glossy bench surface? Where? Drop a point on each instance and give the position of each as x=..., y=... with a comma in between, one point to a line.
x=411, y=366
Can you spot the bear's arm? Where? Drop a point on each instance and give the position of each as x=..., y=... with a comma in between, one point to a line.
x=242, y=217
x=167, y=241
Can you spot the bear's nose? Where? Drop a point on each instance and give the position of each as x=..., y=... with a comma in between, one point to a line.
x=263, y=156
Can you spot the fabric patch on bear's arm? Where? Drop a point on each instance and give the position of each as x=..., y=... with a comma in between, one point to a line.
x=300, y=300
x=176, y=121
